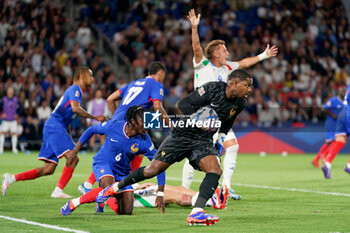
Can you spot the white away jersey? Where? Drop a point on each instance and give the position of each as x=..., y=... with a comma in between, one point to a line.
x=205, y=71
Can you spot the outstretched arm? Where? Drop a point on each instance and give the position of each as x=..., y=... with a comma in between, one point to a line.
x=77, y=109
x=194, y=20
x=268, y=53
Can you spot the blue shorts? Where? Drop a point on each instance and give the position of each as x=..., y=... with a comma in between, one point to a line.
x=341, y=128
x=103, y=169
x=330, y=136
x=57, y=141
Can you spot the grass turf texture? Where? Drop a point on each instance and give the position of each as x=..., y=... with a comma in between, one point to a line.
x=260, y=210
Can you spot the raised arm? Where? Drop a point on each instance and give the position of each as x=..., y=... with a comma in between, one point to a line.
x=111, y=100
x=250, y=61
x=194, y=20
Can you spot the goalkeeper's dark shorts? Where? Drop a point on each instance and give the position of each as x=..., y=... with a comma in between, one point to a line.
x=175, y=148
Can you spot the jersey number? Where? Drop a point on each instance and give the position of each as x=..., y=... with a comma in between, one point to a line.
x=118, y=157
x=132, y=93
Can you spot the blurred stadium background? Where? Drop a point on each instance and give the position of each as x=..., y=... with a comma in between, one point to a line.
x=43, y=42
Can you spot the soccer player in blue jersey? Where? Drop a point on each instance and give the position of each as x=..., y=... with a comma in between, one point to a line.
x=124, y=140
x=147, y=92
x=341, y=133
x=333, y=107
x=57, y=142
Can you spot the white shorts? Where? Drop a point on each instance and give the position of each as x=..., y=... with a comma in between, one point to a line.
x=9, y=126
x=230, y=135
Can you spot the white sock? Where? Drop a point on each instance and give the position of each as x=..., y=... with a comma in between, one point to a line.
x=328, y=165
x=76, y=202
x=58, y=190
x=2, y=141
x=88, y=185
x=12, y=179
x=187, y=174
x=14, y=142
x=196, y=209
x=348, y=165
x=194, y=198
x=229, y=164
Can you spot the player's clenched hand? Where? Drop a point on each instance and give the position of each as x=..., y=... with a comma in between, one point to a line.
x=101, y=118
x=160, y=204
x=194, y=20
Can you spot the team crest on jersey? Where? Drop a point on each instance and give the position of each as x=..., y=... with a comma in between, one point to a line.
x=201, y=91
x=134, y=148
x=163, y=153
x=77, y=94
x=232, y=111
x=102, y=170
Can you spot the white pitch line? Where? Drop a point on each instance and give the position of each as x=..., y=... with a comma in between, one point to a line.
x=42, y=224
x=275, y=188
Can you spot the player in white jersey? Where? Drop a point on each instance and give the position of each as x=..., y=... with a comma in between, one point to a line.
x=145, y=196
x=213, y=67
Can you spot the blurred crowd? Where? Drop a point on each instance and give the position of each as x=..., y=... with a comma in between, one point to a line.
x=40, y=49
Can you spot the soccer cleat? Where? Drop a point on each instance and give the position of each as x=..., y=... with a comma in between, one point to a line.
x=105, y=194
x=82, y=189
x=68, y=208
x=100, y=207
x=215, y=201
x=346, y=169
x=202, y=218
x=5, y=183
x=326, y=172
x=315, y=163
x=60, y=194
x=233, y=195
x=224, y=194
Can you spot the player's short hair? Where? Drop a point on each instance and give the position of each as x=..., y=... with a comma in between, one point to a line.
x=240, y=74
x=211, y=46
x=80, y=72
x=134, y=112
x=154, y=67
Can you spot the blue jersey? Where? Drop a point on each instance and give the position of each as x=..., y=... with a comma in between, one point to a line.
x=63, y=114
x=333, y=105
x=118, y=149
x=140, y=92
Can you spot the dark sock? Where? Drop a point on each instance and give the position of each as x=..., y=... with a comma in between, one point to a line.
x=132, y=178
x=207, y=189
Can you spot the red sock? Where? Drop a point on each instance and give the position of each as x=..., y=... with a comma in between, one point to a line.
x=65, y=177
x=90, y=196
x=320, y=152
x=113, y=204
x=136, y=163
x=325, y=153
x=91, y=179
x=28, y=175
x=334, y=150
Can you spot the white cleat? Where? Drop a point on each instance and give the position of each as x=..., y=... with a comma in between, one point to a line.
x=60, y=194
x=15, y=151
x=5, y=183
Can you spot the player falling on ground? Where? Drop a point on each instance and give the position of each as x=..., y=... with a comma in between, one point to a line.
x=333, y=107
x=211, y=67
x=56, y=141
x=147, y=92
x=342, y=132
x=146, y=194
x=196, y=143
x=124, y=140
x=10, y=106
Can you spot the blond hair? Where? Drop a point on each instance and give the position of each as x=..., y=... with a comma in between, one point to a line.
x=80, y=73
x=211, y=47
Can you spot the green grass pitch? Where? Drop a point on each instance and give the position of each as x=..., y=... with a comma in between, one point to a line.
x=261, y=209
